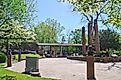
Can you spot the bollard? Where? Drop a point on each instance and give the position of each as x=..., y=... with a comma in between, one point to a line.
x=90, y=65
x=90, y=68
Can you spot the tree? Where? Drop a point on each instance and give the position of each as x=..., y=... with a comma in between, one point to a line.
x=12, y=12
x=17, y=10
x=48, y=31
x=15, y=16
x=16, y=34
x=96, y=8
x=109, y=39
x=75, y=36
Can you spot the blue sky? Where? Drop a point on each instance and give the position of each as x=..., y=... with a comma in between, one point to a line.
x=62, y=12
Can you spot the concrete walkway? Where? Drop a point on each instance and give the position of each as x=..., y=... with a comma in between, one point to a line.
x=64, y=69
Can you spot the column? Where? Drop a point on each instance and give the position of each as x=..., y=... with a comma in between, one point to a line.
x=83, y=41
x=89, y=33
x=97, y=41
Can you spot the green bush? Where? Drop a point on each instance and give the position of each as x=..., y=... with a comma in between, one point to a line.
x=2, y=57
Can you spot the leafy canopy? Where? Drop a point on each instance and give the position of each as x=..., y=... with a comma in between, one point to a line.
x=97, y=9
x=17, y=10
x=48, y=31
x=75, y=36
x=109, y=39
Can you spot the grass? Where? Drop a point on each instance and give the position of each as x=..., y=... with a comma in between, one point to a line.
x=23, y=56
x=18, y=76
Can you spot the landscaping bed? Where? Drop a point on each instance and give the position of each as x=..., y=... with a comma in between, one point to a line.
x=96, y=59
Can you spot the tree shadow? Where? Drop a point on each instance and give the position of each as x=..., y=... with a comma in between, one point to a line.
x=114, y=65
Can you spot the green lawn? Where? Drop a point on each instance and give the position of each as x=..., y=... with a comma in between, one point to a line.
x=23, y=56
x=18, y=76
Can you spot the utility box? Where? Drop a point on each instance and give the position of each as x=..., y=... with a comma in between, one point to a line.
x=32, y=64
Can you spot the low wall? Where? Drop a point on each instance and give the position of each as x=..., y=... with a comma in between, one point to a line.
x=96, y=59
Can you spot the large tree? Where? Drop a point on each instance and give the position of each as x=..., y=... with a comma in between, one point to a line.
x=12, y=12
x=109, y=39
x=48, y=31
x=15, y=35
x=15, y=16
x=91, y=9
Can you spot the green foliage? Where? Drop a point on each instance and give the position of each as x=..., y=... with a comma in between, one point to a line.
x=109, y=39
x=97, y=8
x=75, y=36
x=2, y=57
x=88, y=7
x=113, y=11
x=17, y=10
x=8, y=77
x=71, y=49
x=14, y=16
x=17, y=32
x=120, y=39
x=48, y=31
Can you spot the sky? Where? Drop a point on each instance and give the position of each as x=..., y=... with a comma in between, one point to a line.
x=62, y=12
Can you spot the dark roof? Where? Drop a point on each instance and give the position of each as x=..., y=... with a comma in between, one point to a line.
x=26, y=46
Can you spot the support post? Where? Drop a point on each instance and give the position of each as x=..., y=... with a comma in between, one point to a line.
x=61, y=50
x=53, y=51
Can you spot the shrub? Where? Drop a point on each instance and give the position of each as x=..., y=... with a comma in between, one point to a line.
x=2, y=57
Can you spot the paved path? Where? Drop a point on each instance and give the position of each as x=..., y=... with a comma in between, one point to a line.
x=65, y=69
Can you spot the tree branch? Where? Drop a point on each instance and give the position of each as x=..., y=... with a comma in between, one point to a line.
x=97, y=15
x=101, y=10
x=86, y=17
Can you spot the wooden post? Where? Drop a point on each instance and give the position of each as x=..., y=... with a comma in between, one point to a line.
x=90, y=68
x=90, y=65
x=83, y=41
x=97, y=41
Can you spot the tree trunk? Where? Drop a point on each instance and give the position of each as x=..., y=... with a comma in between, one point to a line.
x=9, y=55
x=19, y=55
